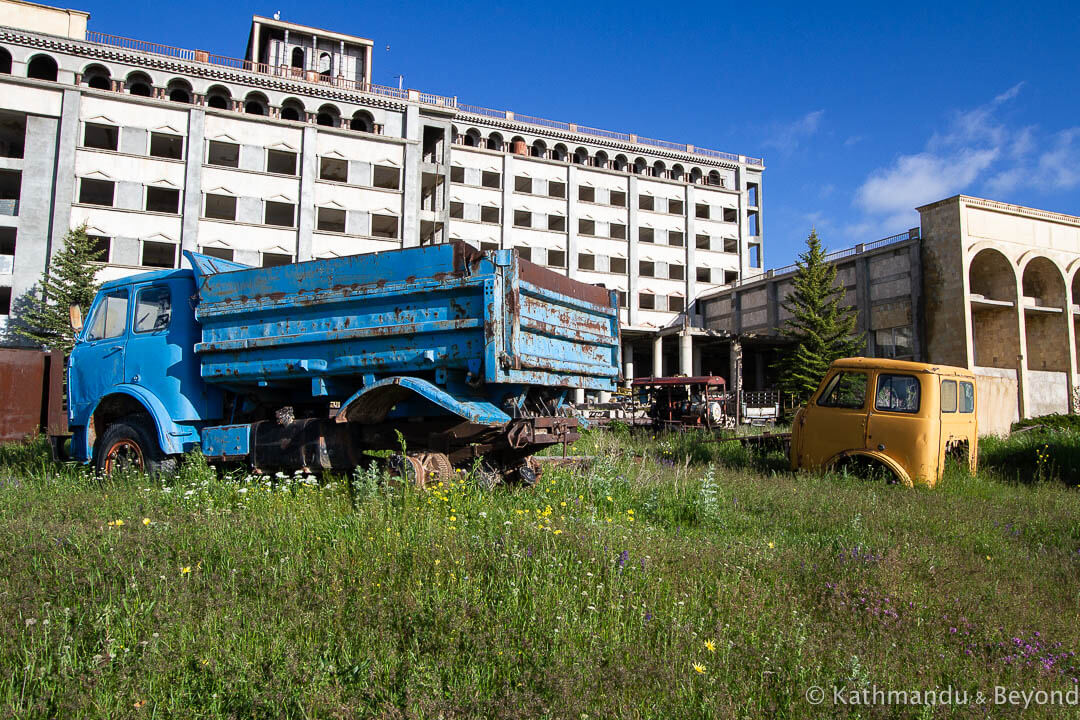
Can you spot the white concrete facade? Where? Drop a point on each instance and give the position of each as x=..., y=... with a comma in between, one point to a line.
x=161, y=149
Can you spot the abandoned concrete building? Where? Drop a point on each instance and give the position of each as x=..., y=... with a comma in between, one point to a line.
x=980, y=284
x=293, y=153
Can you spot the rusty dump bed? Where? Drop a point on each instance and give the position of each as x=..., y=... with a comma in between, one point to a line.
x=490, y=317
x=31, y=393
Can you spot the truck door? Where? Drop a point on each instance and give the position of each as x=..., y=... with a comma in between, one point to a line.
x=100, y=365
x=903, y=423
x=835, y=421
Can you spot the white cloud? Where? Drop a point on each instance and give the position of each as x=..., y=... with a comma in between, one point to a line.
x=787, y=137
x=915, y=180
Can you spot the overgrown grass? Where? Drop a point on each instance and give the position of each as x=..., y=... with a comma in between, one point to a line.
x=673, y=578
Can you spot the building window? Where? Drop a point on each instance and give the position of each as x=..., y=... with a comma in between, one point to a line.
x=620, y=295
x=525, y=253
x=280, y=162
x=618, y=198
x=704, y=275
x=102, y=248
x=702, y=242
x=675, y=304
x=755, y=256
x=384, y=226
x=101, y=137
x=617, y=231
x=646, y=301
x=219, y=253
x=702, y=211
x=586, y=227
x=489, y=214
x=676, y=272
x=752, y=194
x=646, y=268
x=675, y=238
x=270, y=259
x=166, y=145
x=731, y=245
x=586, y=194
x=333, y=169
x=387, y=178
x=730, y=276
x=220, y=207
x=675, y=207
x=96, y=192
x=490, y=179
x=586, y=261
x=457, y=174
x=645, y=202
x=556, y=189
x=486, y=246
x=646, y=235
x=557, y=223
x=162, y=200
x=752, y=227
x=331, y=220
x=731, y=215
x=158, y=254
x=223, y=154
x=522, y=218
x=617, y=265
x=894, y=342
x=279, y=214
x=556, y=258
x=457, y=210
x=522, y=184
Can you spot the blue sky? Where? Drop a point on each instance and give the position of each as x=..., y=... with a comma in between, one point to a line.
x=861, y=110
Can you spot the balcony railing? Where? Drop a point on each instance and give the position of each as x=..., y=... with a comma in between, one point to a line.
x=201, y=56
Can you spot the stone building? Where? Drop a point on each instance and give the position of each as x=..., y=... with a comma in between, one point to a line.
x=293, y=153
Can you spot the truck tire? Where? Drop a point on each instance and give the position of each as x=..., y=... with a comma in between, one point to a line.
x=129, y=443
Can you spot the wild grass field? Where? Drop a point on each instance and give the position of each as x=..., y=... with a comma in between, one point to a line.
x=669, y=579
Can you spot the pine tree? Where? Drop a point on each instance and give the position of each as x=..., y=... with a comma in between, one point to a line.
x=69, y=279
x=820, y=328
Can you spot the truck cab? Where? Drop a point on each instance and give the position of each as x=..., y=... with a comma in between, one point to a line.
x=904, y=417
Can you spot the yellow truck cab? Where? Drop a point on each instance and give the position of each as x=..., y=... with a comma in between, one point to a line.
x=904, y=416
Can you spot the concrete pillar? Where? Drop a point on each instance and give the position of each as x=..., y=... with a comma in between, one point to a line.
x=696, y=360
x=658, y=356
x=572, y=176
x=507, y=213
x=410, y=210
x=36, y=199
x=308, y=173
x=735, y=383
x=686, y=353
x=632, y=287
x=628, y=364
x=64, y=190
x=193, y=162
x=690, y=225
x=1021, y=358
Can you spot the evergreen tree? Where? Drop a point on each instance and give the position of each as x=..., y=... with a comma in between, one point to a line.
x=69, y=279
x=820, y=328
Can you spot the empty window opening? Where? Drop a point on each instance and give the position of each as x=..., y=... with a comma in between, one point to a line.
x=646, y=235
x=362, y=122
x=556, y=189
x=179, y=94
x=586, y=227
x=12, y=135
x=10, y=190
x=701, y=211
x=494, y=142
x=675, y=303
x=272, y=259
x=433, y=144
x=730, y=276
x=703, y=242
x=755, y=256
x=620, y=295
x=472, y=138
x=646, y=268
x=715, y=179
x=522, y=218
x=731, y=245
x=645, y=202
x=388, y=178
x=167, y=145
x=5, y=62
x=96, y=192
x=281, y=162
x=752, y=194
x=704, y=275
x=97, y=78
x=333, y=169
x=557, y=223
x=525, y=253
x=486, y=246
x=7, y=244
x=218, y=252
x=731, y=215
x=219, y=98
x=675, y=207
x=581, y=156
x=101, y=137
x=457, y=210
x=538, y=149
x=288, y=112
x=586, y=261
x=617, y=231
x=618, y=198
x=42, y=67
x=279, y=214
x=384, y=226
x=331, y=220
x=326, y=119
x=223, y=154
x=489, y=214
x=556, y=258
x=752, y=226
x=617, y=265
x=457, y=174
x=586, y=194
x=139, y=84
x=158, y=254
x=297, y=59
x=522, y=184
x=325, y=65
x=220, y=207
x=490, y=179
x=675, y=238
x=254, y=107
x=676, y=272
x=102, y=248
x=163, y=200
x=646, y=301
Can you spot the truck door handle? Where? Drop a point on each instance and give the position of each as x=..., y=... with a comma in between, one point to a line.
x=113, y=350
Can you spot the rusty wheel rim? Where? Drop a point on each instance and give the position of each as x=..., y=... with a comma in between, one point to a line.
x=124, y=455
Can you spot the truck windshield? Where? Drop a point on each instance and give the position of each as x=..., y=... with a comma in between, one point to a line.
x=110, y=318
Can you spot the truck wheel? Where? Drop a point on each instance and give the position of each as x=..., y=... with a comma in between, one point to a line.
x=128, y=444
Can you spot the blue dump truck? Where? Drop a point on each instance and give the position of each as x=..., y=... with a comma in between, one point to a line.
x=470, y=356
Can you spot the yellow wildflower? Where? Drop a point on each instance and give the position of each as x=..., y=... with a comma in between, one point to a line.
x=710, y=646
x=185, y=570
x=558, y=532
x=699, y=668
x=146, y=521
x=772, y=545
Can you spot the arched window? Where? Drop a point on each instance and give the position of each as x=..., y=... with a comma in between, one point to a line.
x=298, y=58
x=325, y=65
x=178, y=91
x=5, y=62
x=42, y=67
x=539, y=149
x=695, y=175
x=472, y=137
x=641, y=166
x=97, y=77
x=139, y=84
x=581, y=156
x=293, y=110
x=494, y=141
x=619, y=163
x=677, y=172
x=219, y=97
x=328, y=116
x=256, y=104
x=714, y=178
x=559, y=153
x=600, y=159
x=659, y=169
x=362, y=122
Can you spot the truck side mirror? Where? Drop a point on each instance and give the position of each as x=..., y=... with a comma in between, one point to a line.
x=75, y=315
